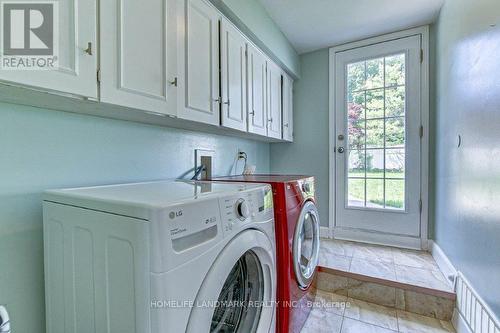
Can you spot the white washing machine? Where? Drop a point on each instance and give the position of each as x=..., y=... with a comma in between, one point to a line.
x=169, y=256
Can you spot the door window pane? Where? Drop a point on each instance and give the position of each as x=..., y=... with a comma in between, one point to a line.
x=394, y=194
x=375, y=133
x=395, y=163
x=375, y=193
x=356, y=192
x=356, y=130
x=356, y=76
x=375, y=103
x=375, y=73
x=395, y=132
x=375, y=163
x=376, y=129
x=357, y=163
x=356, y=107
x=395, y=102
x=395, y=70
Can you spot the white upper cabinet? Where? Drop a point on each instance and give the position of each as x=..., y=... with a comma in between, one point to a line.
x=179, y=58
x=257, y=91
x=287, y=108
x=76, y=23
x=138, y=54
x=274, y=122
x=233, y=77
x=198, y=66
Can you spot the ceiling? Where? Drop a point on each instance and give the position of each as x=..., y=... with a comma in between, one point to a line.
x=315, y=24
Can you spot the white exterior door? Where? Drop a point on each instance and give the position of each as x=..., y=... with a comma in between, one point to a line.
x=138, y=54
x=378, y=118
x=257, y=91
x=287, y=108
x=77, y=68
x=273, y=100
x=233, y=77
x=198, y=65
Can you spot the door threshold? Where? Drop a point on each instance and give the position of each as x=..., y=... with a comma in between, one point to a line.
x=371, y=237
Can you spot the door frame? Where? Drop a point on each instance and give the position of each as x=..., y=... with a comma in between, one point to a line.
x=370, y=237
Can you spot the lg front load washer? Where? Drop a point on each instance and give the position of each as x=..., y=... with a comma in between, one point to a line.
x=297, y=245
x=160, y=257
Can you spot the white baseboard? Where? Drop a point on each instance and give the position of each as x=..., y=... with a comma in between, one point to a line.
x=459, y=323
x=357, y=235
x=443, y=262
x=472, y=314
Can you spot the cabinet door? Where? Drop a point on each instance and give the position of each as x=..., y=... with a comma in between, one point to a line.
x=273, y=100
x=75, y=22
x=257, y=91
x=287, y=108
x=233, y=77
x=198, y=66
x=138, y=54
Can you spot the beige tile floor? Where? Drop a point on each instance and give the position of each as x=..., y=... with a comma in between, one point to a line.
x=339, y=314
x=400, y=265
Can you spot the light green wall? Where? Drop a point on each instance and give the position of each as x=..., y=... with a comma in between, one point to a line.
x=467, y=178
x=309, y=152
x=42, y=149
x=252, y=18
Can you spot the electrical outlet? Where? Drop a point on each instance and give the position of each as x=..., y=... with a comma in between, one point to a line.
x=204, y=157
x=241, y=154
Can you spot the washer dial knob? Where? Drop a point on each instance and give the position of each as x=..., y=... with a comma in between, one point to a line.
x=242, y=209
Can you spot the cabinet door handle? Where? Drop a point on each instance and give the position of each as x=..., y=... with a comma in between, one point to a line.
x=270, y=120
x=218, y=99
x=285, y=125
x=227, y=103
x=174, y=82
x=88, y=50
x=252, y=113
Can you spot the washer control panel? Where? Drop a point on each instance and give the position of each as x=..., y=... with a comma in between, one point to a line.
x=306, y=187
x=242, y=209
x=247, y=206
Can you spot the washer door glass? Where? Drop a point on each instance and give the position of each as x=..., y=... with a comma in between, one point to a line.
x=236, y=309
x=306, y=245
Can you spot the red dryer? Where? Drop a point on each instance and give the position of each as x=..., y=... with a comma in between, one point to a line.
x=297, y=245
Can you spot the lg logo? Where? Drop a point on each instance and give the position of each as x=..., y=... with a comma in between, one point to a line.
x=173, y=215
x=29, y=34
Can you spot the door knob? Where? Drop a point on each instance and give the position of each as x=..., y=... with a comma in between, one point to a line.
x=340, y=149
